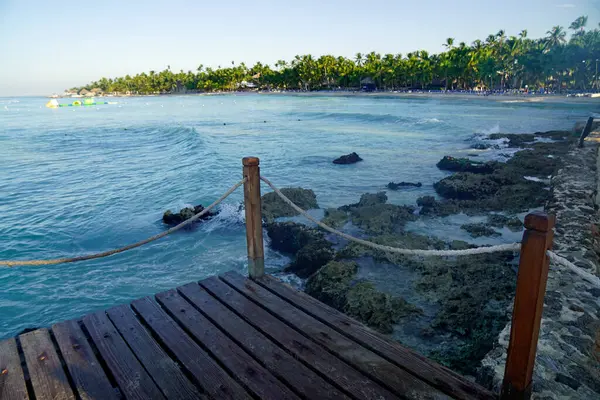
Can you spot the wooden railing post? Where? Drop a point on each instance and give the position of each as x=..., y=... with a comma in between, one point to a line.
x=586, y=130
x=254, y=237
x=528, y=307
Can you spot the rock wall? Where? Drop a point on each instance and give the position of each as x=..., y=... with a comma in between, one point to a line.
x=568, y=354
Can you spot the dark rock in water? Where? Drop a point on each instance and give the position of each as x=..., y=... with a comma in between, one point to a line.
x=332, y=282
x=309, y=246
x=466, y=186
x=335, y=218
x=184, y=214
x=310, y=258
x=480, y=146
x=481, y=229
x=567, y=380
x=334, y=285
x=274, y=207
x=474, y=294
x=460, y=245
x=290, y=237
x=473, y=155
x=514, y=140
x=426, y=201
x=449, y=163
x=374, y=216
x=376, y=309
x=396, y=186
x=430, y=206
x=499, y=221
x=351, y=158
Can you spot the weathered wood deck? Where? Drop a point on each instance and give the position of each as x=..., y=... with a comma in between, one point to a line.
x=226, y=337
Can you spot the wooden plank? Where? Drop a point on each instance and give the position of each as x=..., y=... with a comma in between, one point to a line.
x=12, y=380
x=205, y=370
x=373, y=365
x=48, y=378
x=439, y=376
x=163, y=370
x=88, y=376
x=528, y=306
x=239, y=363
x=330, y=367
x=132, y=378
x=298, y=376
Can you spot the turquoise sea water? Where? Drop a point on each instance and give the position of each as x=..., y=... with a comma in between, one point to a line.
x=80, y=180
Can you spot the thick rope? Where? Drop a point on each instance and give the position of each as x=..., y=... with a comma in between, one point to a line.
x=591, y=278
x=130, y=246
x=478, y=250
x=389, y=249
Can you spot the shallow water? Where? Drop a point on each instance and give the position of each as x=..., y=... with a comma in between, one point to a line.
x=80, y=180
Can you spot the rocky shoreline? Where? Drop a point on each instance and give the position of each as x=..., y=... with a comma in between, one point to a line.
x=449, y=309
x=568, y=356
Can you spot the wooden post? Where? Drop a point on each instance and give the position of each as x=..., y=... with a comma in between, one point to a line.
x=254, y=237
x=528, y=307
x=586, y=130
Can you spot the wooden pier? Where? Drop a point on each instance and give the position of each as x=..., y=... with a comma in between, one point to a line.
x=232, y=337
x=227, y=337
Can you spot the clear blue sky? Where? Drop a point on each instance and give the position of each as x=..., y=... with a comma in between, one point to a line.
x=47, y=46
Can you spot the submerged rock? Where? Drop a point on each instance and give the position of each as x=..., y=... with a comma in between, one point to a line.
x=499, y=221
x=466, y=186
x=377, y=309
x=310, y=258
x=449, y=163
x=309, y=246
x=374, y=216
x=331, y=283
x=351, y=158
x=396, y=186
x=334, y=285
x=335, y=218
x=274, y=207
x=478, y=230
x=514, y=140
x=290, y=237
x=184, y=214
x=474, y=294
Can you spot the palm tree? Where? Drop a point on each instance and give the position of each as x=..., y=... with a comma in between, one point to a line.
x=449, y=43
x=579, y=24
x=556, y=36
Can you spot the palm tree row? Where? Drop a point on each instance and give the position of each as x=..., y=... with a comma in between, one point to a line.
x=499, y=62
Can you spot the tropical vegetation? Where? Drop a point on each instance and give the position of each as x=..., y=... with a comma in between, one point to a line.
x=500, y=62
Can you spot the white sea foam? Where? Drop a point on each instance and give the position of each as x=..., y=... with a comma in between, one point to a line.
x=493, y=129
x=229, y=215
x=429, y=121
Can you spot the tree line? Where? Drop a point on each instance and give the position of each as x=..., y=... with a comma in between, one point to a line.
x=500, y=62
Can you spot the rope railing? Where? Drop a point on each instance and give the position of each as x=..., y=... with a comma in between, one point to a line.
x=130, y=246
x=440, y=253
x=387, y=249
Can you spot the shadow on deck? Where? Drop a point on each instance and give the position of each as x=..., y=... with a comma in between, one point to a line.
x=226, y=337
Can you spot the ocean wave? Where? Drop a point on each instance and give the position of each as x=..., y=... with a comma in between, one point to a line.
x=358, y=117
x=291, y=279
x=489, y=131
x=229, y=215
x=429, y=121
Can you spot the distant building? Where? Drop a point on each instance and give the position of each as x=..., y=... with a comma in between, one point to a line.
x=367, y=84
